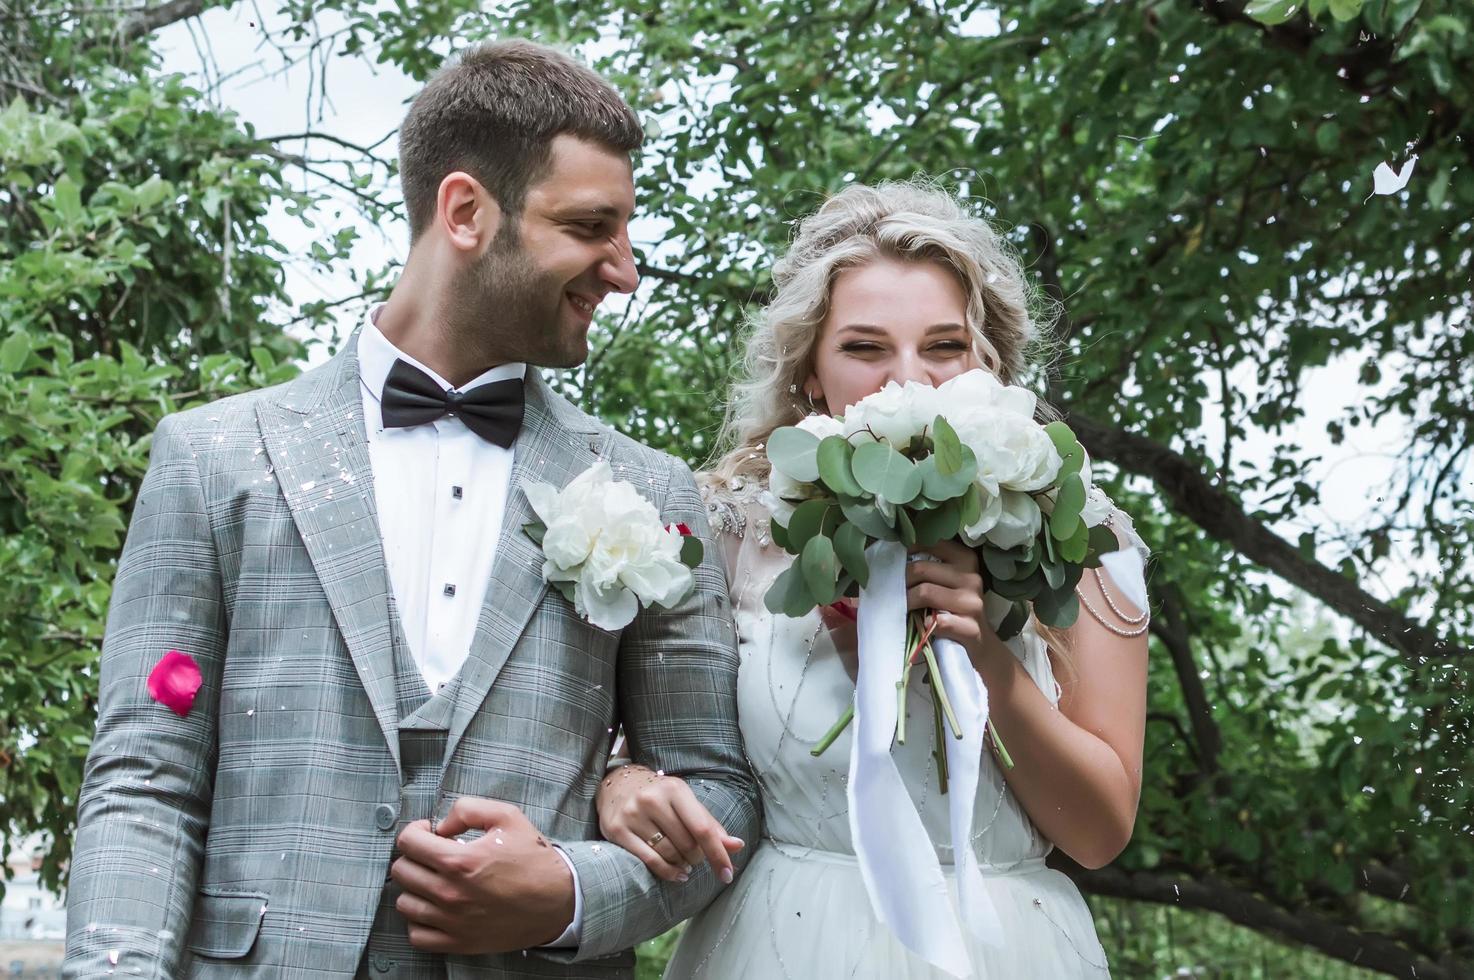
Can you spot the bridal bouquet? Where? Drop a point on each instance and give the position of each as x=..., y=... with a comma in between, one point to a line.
x=607, y=550
x=907, y=468
x=918, y=465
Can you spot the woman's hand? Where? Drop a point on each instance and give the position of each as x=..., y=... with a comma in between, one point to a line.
x=659, y=820
x=951, y=584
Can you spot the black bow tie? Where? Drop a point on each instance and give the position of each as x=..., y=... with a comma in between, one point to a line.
x=493, y=411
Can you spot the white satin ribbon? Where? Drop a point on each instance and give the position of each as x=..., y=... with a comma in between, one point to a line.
x=964, y=761
x=907, y=889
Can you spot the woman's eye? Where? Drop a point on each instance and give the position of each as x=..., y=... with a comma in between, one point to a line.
x=951, y=346
x=860, y=348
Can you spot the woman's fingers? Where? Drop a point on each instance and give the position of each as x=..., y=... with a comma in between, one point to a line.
x=929, y=595
x=942, y=573
x=677, y=833
x=667, y=850
x=709, y=835
x=963, y=629
x=955, y=554
x=658, y=865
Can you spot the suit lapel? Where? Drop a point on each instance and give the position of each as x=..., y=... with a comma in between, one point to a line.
x=557, y=443
x=315, y=437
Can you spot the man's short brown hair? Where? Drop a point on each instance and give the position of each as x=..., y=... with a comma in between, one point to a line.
x=494, y=113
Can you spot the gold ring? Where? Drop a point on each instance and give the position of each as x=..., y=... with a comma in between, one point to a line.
x=659, y=836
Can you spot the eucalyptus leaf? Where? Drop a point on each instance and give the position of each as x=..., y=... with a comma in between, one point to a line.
x=999, y=563
x=779, y=534
x=905, y=528
x=834, y=466
x=883, y=471
x=789, y=594
x=869, y=519
x=938, y=486
x=1054, y=575
x=1073, y=549
x=849, y=547
x=972, y=505
x=1066, y=516
x=820, y=569
x=939, y=524
x=810, y=518
x=1013, y=623
x=946, y=447
x=794, y=453
x=1058, y=609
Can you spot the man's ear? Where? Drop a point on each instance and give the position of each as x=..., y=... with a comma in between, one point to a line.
x=466, y=212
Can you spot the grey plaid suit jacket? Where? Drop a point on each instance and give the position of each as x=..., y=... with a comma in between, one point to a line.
x=250, y=837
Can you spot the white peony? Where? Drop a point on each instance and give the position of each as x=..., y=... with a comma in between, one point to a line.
x=974, y=533
x=1018, y=523
x=821, y=426
x=1013, y=451
x=609, y=542
x=896, y=413
x=982, y=389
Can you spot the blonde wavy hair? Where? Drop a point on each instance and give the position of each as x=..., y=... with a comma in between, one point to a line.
x=912, y=221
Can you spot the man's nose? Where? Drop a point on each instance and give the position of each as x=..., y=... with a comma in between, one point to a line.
x=618, y=269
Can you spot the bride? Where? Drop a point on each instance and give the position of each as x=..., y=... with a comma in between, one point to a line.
x=896, y=283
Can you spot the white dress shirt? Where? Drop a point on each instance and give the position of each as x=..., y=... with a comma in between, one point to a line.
x=441, y=490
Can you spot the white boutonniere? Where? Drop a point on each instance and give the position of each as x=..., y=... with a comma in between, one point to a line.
x=607, y=549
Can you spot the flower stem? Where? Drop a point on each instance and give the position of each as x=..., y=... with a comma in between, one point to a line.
x=833, y=733
x=941, y=691
x=998, y=744
x=941, y=739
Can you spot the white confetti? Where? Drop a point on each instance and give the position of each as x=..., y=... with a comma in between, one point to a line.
x=1385, y=180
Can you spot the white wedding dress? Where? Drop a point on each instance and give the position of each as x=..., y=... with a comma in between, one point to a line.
x=799, y=910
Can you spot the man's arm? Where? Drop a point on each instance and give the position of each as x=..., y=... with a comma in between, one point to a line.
x=145, y=802
x=678, y=703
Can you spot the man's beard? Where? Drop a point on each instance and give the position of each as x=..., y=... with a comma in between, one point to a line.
x=508, y=309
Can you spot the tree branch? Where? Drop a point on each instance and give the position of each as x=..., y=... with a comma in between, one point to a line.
x=367, y=151
x=1221, y=516
x=1369, y=950
x=1171, y=629
x=147, y=21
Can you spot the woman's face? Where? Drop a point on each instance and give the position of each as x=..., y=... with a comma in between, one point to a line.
x=890, y=321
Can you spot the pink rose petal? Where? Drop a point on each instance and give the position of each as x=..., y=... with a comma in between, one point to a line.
x=174, y=682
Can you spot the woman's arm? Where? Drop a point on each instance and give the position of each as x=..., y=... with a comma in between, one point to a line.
x=1077, y=771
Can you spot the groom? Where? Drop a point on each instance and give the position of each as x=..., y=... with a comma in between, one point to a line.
x=389, y=767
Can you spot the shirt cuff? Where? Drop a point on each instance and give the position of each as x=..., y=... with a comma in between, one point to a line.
x=570, y=935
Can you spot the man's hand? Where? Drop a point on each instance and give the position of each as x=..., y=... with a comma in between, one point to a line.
x=505, y=891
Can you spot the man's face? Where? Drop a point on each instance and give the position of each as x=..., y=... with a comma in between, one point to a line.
x=547, y=270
